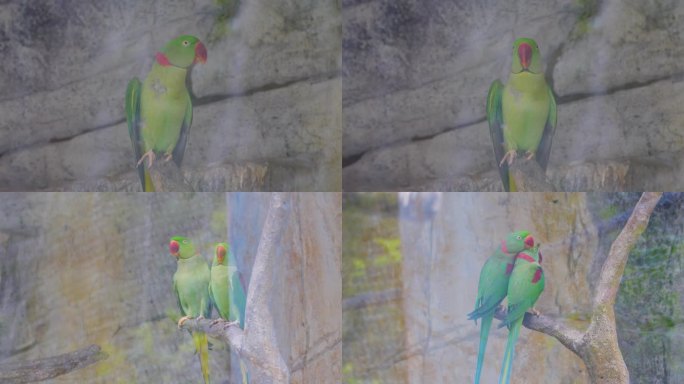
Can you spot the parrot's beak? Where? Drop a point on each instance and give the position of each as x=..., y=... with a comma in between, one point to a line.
x=220, y=253
x=525, y=55
x=529, y=241
x=200, y=53
x=174, y=247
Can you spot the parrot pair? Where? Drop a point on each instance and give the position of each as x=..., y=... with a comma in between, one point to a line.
x=521, y=114
x=159, y=110
x=511, y=271
x=197, y=288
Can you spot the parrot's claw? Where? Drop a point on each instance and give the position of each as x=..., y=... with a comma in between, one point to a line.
x=535, y=312
x=530, y=155
x=183, y=320
x=150, y=158
x=168, y=157
x=509, y=157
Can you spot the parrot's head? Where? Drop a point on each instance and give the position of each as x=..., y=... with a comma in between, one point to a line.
x=181, y=247
x=526, y=56
x=534, y=253
x=220, y=254
x=182, y=52
x=517, y=241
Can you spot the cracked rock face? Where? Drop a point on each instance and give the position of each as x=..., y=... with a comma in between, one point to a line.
x=269, y=92
x=416, y=76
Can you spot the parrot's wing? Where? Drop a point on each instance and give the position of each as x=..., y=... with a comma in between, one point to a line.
x=175, y=291
x=211, y=297
x=179, y=150
x=133, y=119
x=544, y=149
x=495, y=120
x=206, y=311
x=529, y=285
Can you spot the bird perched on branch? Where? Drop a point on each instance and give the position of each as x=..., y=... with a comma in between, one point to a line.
x=159, y=110
x=191, y=286
x=521, y=114
x=493, y=286
x=227, y=291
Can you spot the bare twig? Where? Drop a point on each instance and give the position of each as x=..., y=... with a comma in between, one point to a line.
x=614, y=266
x=50, y=367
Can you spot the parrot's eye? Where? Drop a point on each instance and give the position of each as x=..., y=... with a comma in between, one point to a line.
x=186, y=43
x=518, y=237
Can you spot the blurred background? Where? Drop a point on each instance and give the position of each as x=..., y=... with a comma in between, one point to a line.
x=267, y=103
x=411, y=264
x=94, y=268
x=417, y=72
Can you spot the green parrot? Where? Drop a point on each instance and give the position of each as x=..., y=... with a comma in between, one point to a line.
x=524, y=287
x=159, y=110
x=191, y=285
x=494, y=284
x=521, y=114
x=227, y=291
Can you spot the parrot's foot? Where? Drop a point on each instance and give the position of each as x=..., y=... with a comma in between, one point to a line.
x=535, y=312
x=168, y=157
x=217, y=321
x=530, y=155
x=183, y=320
x=150, y=158
x=509, y=157
x=200, y=317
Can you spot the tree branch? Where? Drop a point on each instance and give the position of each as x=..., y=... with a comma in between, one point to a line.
x=260, y=321
x=530, y=177
x=167, y=177
x=614, y=266
x=50, y=367
x=598, y=345
x=570, y=337
x=222, y=330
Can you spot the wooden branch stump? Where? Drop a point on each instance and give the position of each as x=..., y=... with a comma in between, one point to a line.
x=50, y=367
x=529, y=176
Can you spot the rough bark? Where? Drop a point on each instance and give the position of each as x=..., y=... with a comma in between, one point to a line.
x=530, y=177
x=50, y=367
x=597, y=345
x=167, y=177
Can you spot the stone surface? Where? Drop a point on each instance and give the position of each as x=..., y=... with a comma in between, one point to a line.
x=83, y=268
x=615, y=128
x=416, y=76
x=270, y=85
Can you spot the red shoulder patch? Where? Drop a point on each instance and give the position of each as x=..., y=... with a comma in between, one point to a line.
x=509, y=269
x=537, y=275
x=162, y=59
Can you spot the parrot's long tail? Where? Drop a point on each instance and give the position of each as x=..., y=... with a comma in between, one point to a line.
x=243, y=372
x=510, y=351
x=511, y=184
x=148, y=187
x=484, y=334
x=202, y=347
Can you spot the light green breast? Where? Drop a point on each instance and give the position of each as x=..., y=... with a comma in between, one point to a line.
x=192, y=283
x=525, y=104
x=163, y=102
